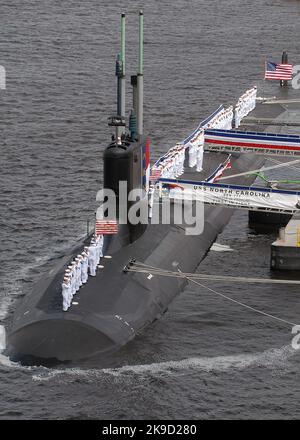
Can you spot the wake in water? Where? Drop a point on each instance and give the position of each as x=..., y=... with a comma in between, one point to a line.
x=274, y=358
x=4, y=360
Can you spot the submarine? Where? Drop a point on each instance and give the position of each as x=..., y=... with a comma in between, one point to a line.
x=116, y=305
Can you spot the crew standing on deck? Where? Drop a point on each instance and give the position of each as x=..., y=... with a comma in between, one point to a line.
x=70, y=275
x=99, y=242
x=77, y=274
x=85, y=264
x=66, y=287
x=92, y=258
x=73, y=280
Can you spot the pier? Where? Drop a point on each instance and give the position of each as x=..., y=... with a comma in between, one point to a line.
x=270, y=131
x=285, y=251
x=279, y=115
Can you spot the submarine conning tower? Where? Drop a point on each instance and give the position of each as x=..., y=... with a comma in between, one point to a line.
x=126, y=158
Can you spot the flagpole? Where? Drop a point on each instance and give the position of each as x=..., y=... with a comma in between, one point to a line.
x=284, y=60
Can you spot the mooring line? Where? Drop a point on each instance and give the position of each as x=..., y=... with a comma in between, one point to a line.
x=243, y=304
x=144, y=268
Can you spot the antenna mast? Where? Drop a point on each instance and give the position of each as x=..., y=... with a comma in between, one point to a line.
x=140, y=78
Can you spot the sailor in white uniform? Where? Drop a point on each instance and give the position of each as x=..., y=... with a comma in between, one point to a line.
x=200, y=157
x=66, y=286
x=73, y=277
x=69, y=275
x=99, y=242
x=92, y=258
x=84, y=266
x=182, y=159
x=80, y=258
x=77, y=274
x=68, y=279
x=150, y=200
x=97, y=256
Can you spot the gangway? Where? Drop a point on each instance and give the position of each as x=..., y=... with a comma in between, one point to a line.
x=253, y=198
x=267, y=144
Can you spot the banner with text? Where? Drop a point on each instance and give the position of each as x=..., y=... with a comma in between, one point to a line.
x=234, y=195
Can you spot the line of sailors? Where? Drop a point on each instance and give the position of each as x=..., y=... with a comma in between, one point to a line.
x=222, y=120
x=245, y=105
x=172, y=163
x=171, y=166
x=196, y=145
x=81, y=267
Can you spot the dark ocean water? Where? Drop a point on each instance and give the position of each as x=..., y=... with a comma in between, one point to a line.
x=207, y=358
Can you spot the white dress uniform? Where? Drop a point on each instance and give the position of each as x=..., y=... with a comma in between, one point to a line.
x=92, y=259
x=77, y=274
x=84, y=267
x=236, y=117
x=67, y=281
x=73, y=279
x=100, y=247
x=97, y=257
x=182, y=159
x=69, y=276
x=150, y=201
x=200, y=157
x=66, y=294
x=80, y=258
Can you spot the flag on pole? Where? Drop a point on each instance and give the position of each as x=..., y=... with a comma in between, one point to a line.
x=278, y=71
x=155, y=174
x=106, y=227
x=219, y=171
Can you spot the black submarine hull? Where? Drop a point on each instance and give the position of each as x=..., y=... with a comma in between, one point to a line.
x=115, y=306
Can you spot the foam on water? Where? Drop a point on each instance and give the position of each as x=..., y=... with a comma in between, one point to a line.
x=4, y=360
x=4, y=306
x=217, y=247
x=273, y=358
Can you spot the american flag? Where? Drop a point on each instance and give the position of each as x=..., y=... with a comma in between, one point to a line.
x=106, y=227
x=219, y=171
x=278, y=71
x=155, y=175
